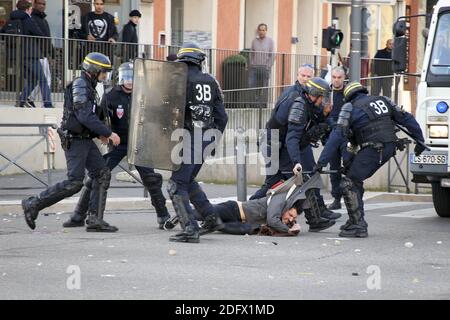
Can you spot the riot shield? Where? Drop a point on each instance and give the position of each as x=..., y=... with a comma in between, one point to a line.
x=157, y=110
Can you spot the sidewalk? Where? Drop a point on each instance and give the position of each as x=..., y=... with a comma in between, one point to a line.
x=130, y=196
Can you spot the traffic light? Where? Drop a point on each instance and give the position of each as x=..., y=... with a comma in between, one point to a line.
x=331, y=38
x=399, y=51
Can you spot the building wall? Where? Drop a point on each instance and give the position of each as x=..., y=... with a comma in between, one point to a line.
x=197, y=22
x=227, y=31
x=159, y=18
x=284, y=32
x=308, y=30
x=256, y=12
x=228, y=23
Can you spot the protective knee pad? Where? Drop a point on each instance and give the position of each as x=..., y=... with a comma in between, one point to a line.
x=152, y=181
x=350, y=198
x=104, y=178
x=346, y=184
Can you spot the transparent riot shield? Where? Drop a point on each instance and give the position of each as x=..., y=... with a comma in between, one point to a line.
x=157, y=110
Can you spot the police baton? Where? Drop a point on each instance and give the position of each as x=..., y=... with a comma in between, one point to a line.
x=420, y=143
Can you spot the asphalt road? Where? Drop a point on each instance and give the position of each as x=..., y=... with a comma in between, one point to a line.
x=407, y=256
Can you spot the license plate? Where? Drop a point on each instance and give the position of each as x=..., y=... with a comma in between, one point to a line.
x=429, y=159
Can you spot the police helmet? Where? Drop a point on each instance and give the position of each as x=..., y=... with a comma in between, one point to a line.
x=191, y=52
x=95, y=63
x=125, y=74
x=353, y=88
x=318, y=87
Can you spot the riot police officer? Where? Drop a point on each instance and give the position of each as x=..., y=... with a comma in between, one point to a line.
x=369, y=124
x=117, y=104
x=204, y=110
x=303, y=124
x=278, y=120
x=80, y=124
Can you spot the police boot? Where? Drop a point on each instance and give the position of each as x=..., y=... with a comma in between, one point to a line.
x=189, y=234
x=211, y=224
x=190, y=231
x=356, y=226
x=80, y=213
x=349, y=222
x=30, y=211
x=153, y=183
x=95, y=222
x=335, y=205
x=52, y=195
x=324, y=212
x=313, y=215
x=328, y=214
x=355, y=229
x=317, y=224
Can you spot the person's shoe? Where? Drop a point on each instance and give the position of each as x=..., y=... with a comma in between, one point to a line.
x=93, y=224
x=349, y=223
x=30, y=104
x=358, y=230
x=211, y=224
x=189, y=235
x=73, y=224
x=330, y=215
x=162, y=221
x=335, y=205
x=30, y=211
x=171, y=223
x=321, y=225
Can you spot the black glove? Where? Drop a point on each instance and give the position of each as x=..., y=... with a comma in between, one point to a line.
x=317, y=168
x=419, y=149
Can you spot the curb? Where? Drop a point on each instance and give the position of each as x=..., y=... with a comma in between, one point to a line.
x=396, y=197
x=141, y=203
x=67, y=206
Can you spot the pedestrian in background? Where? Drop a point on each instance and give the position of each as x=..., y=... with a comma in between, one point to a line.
x=261, y=62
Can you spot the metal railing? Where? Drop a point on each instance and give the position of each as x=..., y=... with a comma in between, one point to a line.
x=37, y=69
x=43, y=133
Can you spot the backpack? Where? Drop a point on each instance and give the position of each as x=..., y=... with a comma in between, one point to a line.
x=13, y=27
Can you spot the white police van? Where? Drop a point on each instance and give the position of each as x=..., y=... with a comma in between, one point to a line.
x=433, y=114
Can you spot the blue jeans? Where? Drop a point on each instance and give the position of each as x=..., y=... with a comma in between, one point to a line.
x=259, y=77
x=34, y=74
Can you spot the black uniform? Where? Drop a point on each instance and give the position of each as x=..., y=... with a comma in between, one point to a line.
x=204, y=110
x=118, y=103
x=80, y=124
x=368, y=122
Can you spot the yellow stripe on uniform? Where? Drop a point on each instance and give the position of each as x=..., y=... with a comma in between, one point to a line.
x=97, y=63
x=351, y=87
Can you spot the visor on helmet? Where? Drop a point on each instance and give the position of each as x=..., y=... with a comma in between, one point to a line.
x=125, y=77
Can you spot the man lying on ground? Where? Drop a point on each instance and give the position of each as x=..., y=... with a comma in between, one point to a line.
x=276, y=214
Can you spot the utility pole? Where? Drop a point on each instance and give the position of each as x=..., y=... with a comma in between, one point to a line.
x=356, y=32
